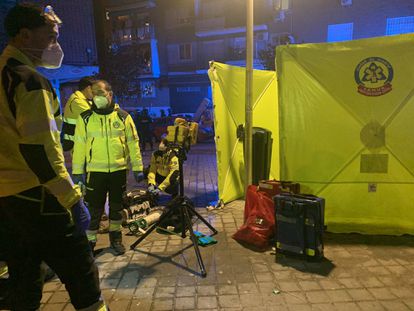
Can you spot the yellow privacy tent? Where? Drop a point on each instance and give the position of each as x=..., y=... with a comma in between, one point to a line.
x=228, y=88
x=347, y=130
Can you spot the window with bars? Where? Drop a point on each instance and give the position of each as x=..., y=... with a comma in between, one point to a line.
x=400, y=25
x=340, y=32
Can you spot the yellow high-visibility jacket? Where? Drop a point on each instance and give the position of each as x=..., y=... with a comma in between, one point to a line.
x=77, y=103
x=164, y=163
x=30, y=151
x=105, y=141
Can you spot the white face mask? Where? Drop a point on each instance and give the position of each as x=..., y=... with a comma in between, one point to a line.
x=52, y=56
x=100, y=101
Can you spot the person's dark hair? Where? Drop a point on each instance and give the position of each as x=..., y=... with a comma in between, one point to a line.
x=85, y=82
x=24, y=15
x=108, y=87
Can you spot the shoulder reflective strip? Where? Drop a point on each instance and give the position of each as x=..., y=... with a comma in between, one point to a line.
x=27, y=198
x=100, y=134
x=3, y=269
x=70, y=120
x=78, y=167
x=290, y=220
x=69, y=137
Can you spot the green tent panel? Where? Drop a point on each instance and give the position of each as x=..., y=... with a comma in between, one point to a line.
x=228, y=89
x=346, y=130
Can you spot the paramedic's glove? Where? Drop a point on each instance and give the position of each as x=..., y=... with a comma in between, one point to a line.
x=151, y=188
x=139, y=176
x=78, y=179
x=81, y=218
x=156, y=191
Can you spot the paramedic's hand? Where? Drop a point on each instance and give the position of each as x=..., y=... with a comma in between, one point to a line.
x=81, y=217
x=78, y=179
x=156, y=191
x=151, y=188
x=139, y=176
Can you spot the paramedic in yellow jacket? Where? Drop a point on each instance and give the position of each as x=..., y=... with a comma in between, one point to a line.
x=106, y=142
x=164, y=173
x=77, y=103
x=41, y=215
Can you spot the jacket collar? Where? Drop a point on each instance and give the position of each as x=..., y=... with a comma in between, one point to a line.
x=13, y=52
x=104, y=111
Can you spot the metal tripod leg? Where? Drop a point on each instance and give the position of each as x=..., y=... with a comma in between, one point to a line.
x=193, y=211
x=194, y=239
x=153, y=226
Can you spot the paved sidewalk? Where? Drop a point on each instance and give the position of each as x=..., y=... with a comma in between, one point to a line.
x=359, y=273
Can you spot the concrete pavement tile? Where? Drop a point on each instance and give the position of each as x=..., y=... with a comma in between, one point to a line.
x=266, y=287
x=409, y=302
x=300, y=307
x=338, y=295
x=370, y=306
x=260, y=267
x=107, y=293
x=387, y=262
x=382, y=293
x=246, y=277
x=397, y=270
x=294, y=298
x=309, y=285
x=251, y=300
x=69, y=307
x=288, y=286
x=371, y=263
x=389, y=280
x=276, y=308
x=148, y=282
x=185, y=291
x=59, y=297
x=140, y=305
x=317, y=297
x=229, y=301
x=395, y=306
x=282, y=275
x=264, y=276
x=54, y=307
x=247, y=288
x=330, y=284
x=360, y=294
x=350, y=282
x=206, y=290
x=144, y=292
x=379, y=270
x=207, y=302
x=162, y=305
x=165, y=292
x=345, y=306
x=109, y=283
x=403, y=292
x=323, y=307
x=369, y=282
x=45, y=297
x=186, y=280
x=119, y=305
x=52, y=286
x=167, y=281
x=227, y=289
x=185, y=303
x=123, y=294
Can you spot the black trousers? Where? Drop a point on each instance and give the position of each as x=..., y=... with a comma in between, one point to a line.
x=98, y=185
x=32, y=231
x=173, y=187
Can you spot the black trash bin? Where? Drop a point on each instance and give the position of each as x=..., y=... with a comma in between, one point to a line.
x=261, y=154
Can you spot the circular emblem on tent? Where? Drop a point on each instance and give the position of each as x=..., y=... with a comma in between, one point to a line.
x=116, y=124
x=374, y=76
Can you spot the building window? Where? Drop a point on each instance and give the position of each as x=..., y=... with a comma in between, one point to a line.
x=340, y=32
x=185, y=51
x=400, y=25
x=148, y=89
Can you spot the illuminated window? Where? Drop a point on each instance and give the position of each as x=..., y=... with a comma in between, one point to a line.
x=340, y=32
x=399, y=25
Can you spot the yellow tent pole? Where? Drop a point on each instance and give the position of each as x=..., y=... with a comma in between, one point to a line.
x=249, y=94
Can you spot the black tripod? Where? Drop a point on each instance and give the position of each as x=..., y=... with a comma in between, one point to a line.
x=186, y=209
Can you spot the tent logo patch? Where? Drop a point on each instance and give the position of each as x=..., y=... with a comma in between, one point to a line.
x=373, y=76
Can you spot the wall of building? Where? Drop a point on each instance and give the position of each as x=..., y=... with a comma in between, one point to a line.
x=311, y=18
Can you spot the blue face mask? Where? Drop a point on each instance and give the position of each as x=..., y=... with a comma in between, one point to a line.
x=100, y=102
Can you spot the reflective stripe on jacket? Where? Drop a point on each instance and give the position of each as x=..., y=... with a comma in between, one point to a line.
x=76, y=104
x=164, y=164
x=105, y=143
x=30, y=149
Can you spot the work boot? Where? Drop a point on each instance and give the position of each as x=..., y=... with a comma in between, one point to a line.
x=115, y=237
x=103, y=224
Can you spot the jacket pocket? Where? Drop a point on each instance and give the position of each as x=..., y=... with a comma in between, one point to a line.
x=90, y=150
